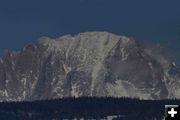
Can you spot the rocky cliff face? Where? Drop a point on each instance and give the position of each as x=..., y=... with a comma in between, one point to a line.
x=89, y=64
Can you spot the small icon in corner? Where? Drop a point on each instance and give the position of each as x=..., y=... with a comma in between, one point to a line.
x=172, y=112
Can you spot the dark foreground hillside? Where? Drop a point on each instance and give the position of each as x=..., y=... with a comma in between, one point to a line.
x=87, y=108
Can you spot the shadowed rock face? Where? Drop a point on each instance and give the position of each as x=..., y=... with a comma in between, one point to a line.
x=89, y=64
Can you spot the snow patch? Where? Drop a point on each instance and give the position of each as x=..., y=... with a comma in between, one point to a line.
x=24, y=81
x=6, y=93
x=95, y=72
x=33, y=85
x=174, y=64
x=24, y=94
x=112, y=117
x=104, y=47
x=6, y=81
x=74, y=92
x=122, y=88
x=53, y=80
x=124, y=55
x=150, y=65
x=69, y=47
x=66, y=69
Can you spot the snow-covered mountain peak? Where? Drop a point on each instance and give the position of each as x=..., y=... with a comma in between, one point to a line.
x=87, y=64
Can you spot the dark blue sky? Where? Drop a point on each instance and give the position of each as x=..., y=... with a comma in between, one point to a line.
x=24, y=21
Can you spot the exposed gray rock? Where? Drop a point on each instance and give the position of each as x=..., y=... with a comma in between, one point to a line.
x=89, y=64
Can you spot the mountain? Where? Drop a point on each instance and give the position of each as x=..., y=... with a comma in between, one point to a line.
x=88, y=64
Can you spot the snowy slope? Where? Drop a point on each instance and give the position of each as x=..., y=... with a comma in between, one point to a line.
x=88, y=64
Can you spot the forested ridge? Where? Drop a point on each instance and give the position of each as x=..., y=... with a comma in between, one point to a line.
x=85, y=107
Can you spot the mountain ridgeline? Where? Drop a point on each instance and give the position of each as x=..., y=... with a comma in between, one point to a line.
x=89, y=64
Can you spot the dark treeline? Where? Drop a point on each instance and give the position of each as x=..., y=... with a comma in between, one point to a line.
x=85, y=107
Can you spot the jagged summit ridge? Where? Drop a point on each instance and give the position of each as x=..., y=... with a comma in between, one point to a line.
x=87, y=64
